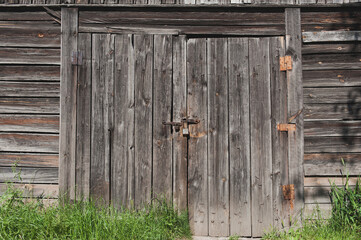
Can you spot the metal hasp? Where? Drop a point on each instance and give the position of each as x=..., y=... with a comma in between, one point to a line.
x=285, y=63
x=183, y=123
x=285, y=127
x=289, y=193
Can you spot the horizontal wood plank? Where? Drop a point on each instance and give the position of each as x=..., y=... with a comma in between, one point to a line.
x=27, y=142
x=350, y=95
x=30, y=73
x=347, y=111
x=331, y=61
x=327, y=181
x=317, y=48
x=330, y=164
x=50, y=191
x=29, y=123
x=29, y=89
x=331, y=36
x=29, y=105
x=29, y=159
x=28, y=175
x=332, y=144
x=331, y=78
x=45, y=56
x=317, y=211
x=317, y=194
x=332, y=128
x=27, y=15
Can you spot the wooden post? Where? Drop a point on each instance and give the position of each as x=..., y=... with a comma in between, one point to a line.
x=68, y=91
x=295, y=105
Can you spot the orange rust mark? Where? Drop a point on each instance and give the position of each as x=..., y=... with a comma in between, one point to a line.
x=289, y=193
x=285, y=127
x=40, y=35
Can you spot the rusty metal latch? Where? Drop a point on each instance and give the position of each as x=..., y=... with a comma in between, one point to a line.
x=285, y=127
x=77, y=58
x=183, y=123
x=289, y=193
x=285, y=63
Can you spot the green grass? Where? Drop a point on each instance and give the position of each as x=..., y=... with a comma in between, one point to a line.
x=83, y=220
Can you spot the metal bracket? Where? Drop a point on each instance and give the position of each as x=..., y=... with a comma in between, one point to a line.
x=285, y=63
x=285, y=127
x=183, y=123
x=76, y=58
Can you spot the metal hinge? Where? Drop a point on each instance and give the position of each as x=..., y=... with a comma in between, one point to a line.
x=285, y=63
x=285, y=127
x=76, y=58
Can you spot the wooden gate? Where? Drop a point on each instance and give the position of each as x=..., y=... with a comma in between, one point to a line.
x=193, y=119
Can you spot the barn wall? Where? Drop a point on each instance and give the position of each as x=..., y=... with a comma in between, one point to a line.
x=332, y=102
x=29, y=100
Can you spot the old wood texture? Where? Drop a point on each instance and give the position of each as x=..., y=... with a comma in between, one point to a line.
x=197, y=105
x=83, y=118
x=29, y=142
x=29, y=123
x=49, y=191
x=29, y=175
x=239, y=137
x=68, y=92
x=29, y=89
x=261, y=137
x=29, y=73
x=143, y=136
x=29, y=159
x=122, y=165
x=295, y=105
x=41, y=56
x=331, y=36
x=180, y=158
x=162, y=109
x=218, y=155
x=102, y=115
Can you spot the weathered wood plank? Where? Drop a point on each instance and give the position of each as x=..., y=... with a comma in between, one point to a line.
x=27, y=89
x=332, y=61
x=68, y=92
x=295, y=105
x=30, y=73
x=261, y=137
x=101, y=119
x=331, y=36
x=197, y=103
x=350, y=95
x=332, y=144
x=28, y=15
x=326, y=16
x=49, y=191
x=44, y=56
x=330, y=164
x=29, y=123
x=317, y=211
x=83, y=121
x=162, y=107
x=331, y=78
x=280, y=163
x=347, y=111
x=29, y=175
x=29, y=105
x=122, y=176
x=218, y=154
x=325, y=181
x=29, y=160
x=332, y=128
x=27, y=142
x=239, y=137
x=317, y=48
x=143, y=81
x=180, y=159
x=317, y=195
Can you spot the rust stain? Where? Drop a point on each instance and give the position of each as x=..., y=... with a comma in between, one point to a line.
x=289, y=193
x=40, y=35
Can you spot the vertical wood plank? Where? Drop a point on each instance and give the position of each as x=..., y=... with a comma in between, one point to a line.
x=279, y=139
x=83, y=118
x=218, y=155
x=239, y=137
x=102, y=111
x=295, y=104
x=68, y=91
x=197, y=144
x=122, y=164
x=143, y=77
x=162, y=107
x=179, y=112
x=261, y=142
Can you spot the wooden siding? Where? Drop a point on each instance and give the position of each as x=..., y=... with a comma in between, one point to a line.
x=29, y=101
x=332, y=110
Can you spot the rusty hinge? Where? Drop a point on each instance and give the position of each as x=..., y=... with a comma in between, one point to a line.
x=285, y=63
x=289, y=193
x=76, y=58
x=285, y=127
